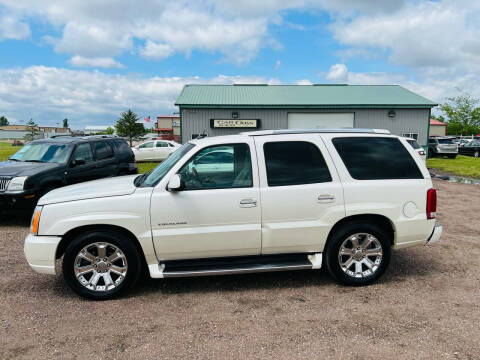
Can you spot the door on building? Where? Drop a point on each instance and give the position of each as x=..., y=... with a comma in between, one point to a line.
x=320, y=120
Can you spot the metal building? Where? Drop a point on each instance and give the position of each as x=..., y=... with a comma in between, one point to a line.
x=230, y=109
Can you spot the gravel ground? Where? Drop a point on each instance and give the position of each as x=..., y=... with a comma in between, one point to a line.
x=427, y=305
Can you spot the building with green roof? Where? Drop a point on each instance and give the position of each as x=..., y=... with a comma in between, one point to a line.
x=229, y=109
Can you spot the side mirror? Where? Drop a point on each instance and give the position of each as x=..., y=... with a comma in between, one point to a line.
x=176, y=183
x=78, y=161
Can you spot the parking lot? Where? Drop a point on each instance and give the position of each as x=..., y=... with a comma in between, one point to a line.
x=426, y=306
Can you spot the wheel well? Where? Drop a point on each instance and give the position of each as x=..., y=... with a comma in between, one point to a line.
x=379, y=220
x=88, y=228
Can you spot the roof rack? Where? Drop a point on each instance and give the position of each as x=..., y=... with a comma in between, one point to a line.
x=313, y=131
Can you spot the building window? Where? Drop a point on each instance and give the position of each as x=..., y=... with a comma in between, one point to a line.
x=411, y=135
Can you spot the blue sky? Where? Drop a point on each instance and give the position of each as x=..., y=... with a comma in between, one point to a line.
x=89, y=60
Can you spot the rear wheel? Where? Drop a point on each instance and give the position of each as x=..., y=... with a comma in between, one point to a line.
x=452, y=156
x=101, y=265
x=358, y=253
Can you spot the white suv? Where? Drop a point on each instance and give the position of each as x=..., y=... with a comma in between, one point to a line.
x=260, y=201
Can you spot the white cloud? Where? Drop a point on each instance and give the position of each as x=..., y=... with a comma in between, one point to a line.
x=278, y=64
x=155, y=51
x=13, y=28
x=93, y=97
x=103, y=62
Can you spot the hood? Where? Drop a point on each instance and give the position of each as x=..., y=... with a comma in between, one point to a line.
x=25, y=168
x=117, y=186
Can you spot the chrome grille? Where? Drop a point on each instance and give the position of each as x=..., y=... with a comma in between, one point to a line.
x=4, y=183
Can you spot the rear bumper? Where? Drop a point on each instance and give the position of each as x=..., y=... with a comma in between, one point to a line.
x=436, y=233
x=40, y=252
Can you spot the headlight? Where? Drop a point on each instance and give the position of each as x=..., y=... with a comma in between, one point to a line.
x=35, y=220
x=17, y=183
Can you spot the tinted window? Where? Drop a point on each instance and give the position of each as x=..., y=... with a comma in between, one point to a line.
x=122, y=146
x=432, y=141
x=375, y=158
x=103, y=150
x=161, y=144
x=219, y=167
x=414, y=144
x=83, y=151
x=294, y=163
x=445, y=141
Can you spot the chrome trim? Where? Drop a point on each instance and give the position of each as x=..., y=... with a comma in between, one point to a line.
x=240, y=270
x=4, y=181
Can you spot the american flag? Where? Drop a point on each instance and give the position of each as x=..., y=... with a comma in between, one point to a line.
x=147, y=119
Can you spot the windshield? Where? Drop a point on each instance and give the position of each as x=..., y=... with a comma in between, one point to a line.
x=445, y=141
x=414, y=144
x=43, y=152
x=161, y=170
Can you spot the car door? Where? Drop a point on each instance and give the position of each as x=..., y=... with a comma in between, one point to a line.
x=145, y=151
x=77, y=171
x=106, y=162
x=216, y=215
x=301, y=193
x=161, y=150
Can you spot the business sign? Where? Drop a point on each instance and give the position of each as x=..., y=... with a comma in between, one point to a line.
x=235, y=123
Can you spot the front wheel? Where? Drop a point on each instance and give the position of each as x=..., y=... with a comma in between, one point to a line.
x=358, y=253
x=101, y=265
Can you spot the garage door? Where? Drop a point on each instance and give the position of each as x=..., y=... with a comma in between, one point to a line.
x=320, y=121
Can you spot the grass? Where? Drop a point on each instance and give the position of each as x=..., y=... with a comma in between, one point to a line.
x=144, y=167
x=7, y=150
x=462, y=165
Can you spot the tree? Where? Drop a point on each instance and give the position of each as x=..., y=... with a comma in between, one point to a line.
x=110, y=131
x=65, y=123
x=463, y=115
x=128, y=126
x=3, y=121
x=32, y=129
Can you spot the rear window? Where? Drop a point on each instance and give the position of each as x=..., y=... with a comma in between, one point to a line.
x=294, y=163
x=376, y=158
x=103, y=150
x=122, y=146
x=445, y=141
x=414, y=144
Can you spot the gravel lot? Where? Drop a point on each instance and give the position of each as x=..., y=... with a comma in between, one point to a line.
x=427, y=305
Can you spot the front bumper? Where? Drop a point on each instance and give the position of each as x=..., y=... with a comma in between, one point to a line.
x=20, y=198
x=40, y=252
x=436, y=233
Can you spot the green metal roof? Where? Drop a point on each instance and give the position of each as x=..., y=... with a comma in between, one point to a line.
x=310, y=96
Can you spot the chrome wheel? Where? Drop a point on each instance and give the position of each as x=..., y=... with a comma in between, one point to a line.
x=100, y=266
x=360, y=255
x=475, y=154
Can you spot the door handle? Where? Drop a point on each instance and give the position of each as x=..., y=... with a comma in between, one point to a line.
x=326, y=198
x=248, y=203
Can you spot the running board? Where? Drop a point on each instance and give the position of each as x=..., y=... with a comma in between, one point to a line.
x=235, y=265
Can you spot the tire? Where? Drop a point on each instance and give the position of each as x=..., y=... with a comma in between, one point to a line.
x=341, y=237
x=452, y=156
x=476, y=154
x=103, y=280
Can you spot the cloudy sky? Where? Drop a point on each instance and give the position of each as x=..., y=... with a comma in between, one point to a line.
x=88, y=60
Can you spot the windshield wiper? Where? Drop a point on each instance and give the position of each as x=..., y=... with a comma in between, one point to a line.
x=12, y=159
x=37, y=161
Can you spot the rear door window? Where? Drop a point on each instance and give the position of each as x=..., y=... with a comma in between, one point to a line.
x=294, y=163
x=83, y=151
x=103, y=150
x=376, y=158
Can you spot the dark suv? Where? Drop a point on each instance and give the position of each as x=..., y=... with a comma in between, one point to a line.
x=43, y=165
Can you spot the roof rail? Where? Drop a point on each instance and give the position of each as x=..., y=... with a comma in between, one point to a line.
x=313, y=131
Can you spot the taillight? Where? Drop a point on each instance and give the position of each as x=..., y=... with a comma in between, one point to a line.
x=431, y=203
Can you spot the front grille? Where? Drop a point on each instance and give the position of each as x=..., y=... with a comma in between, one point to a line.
x=4, y=183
